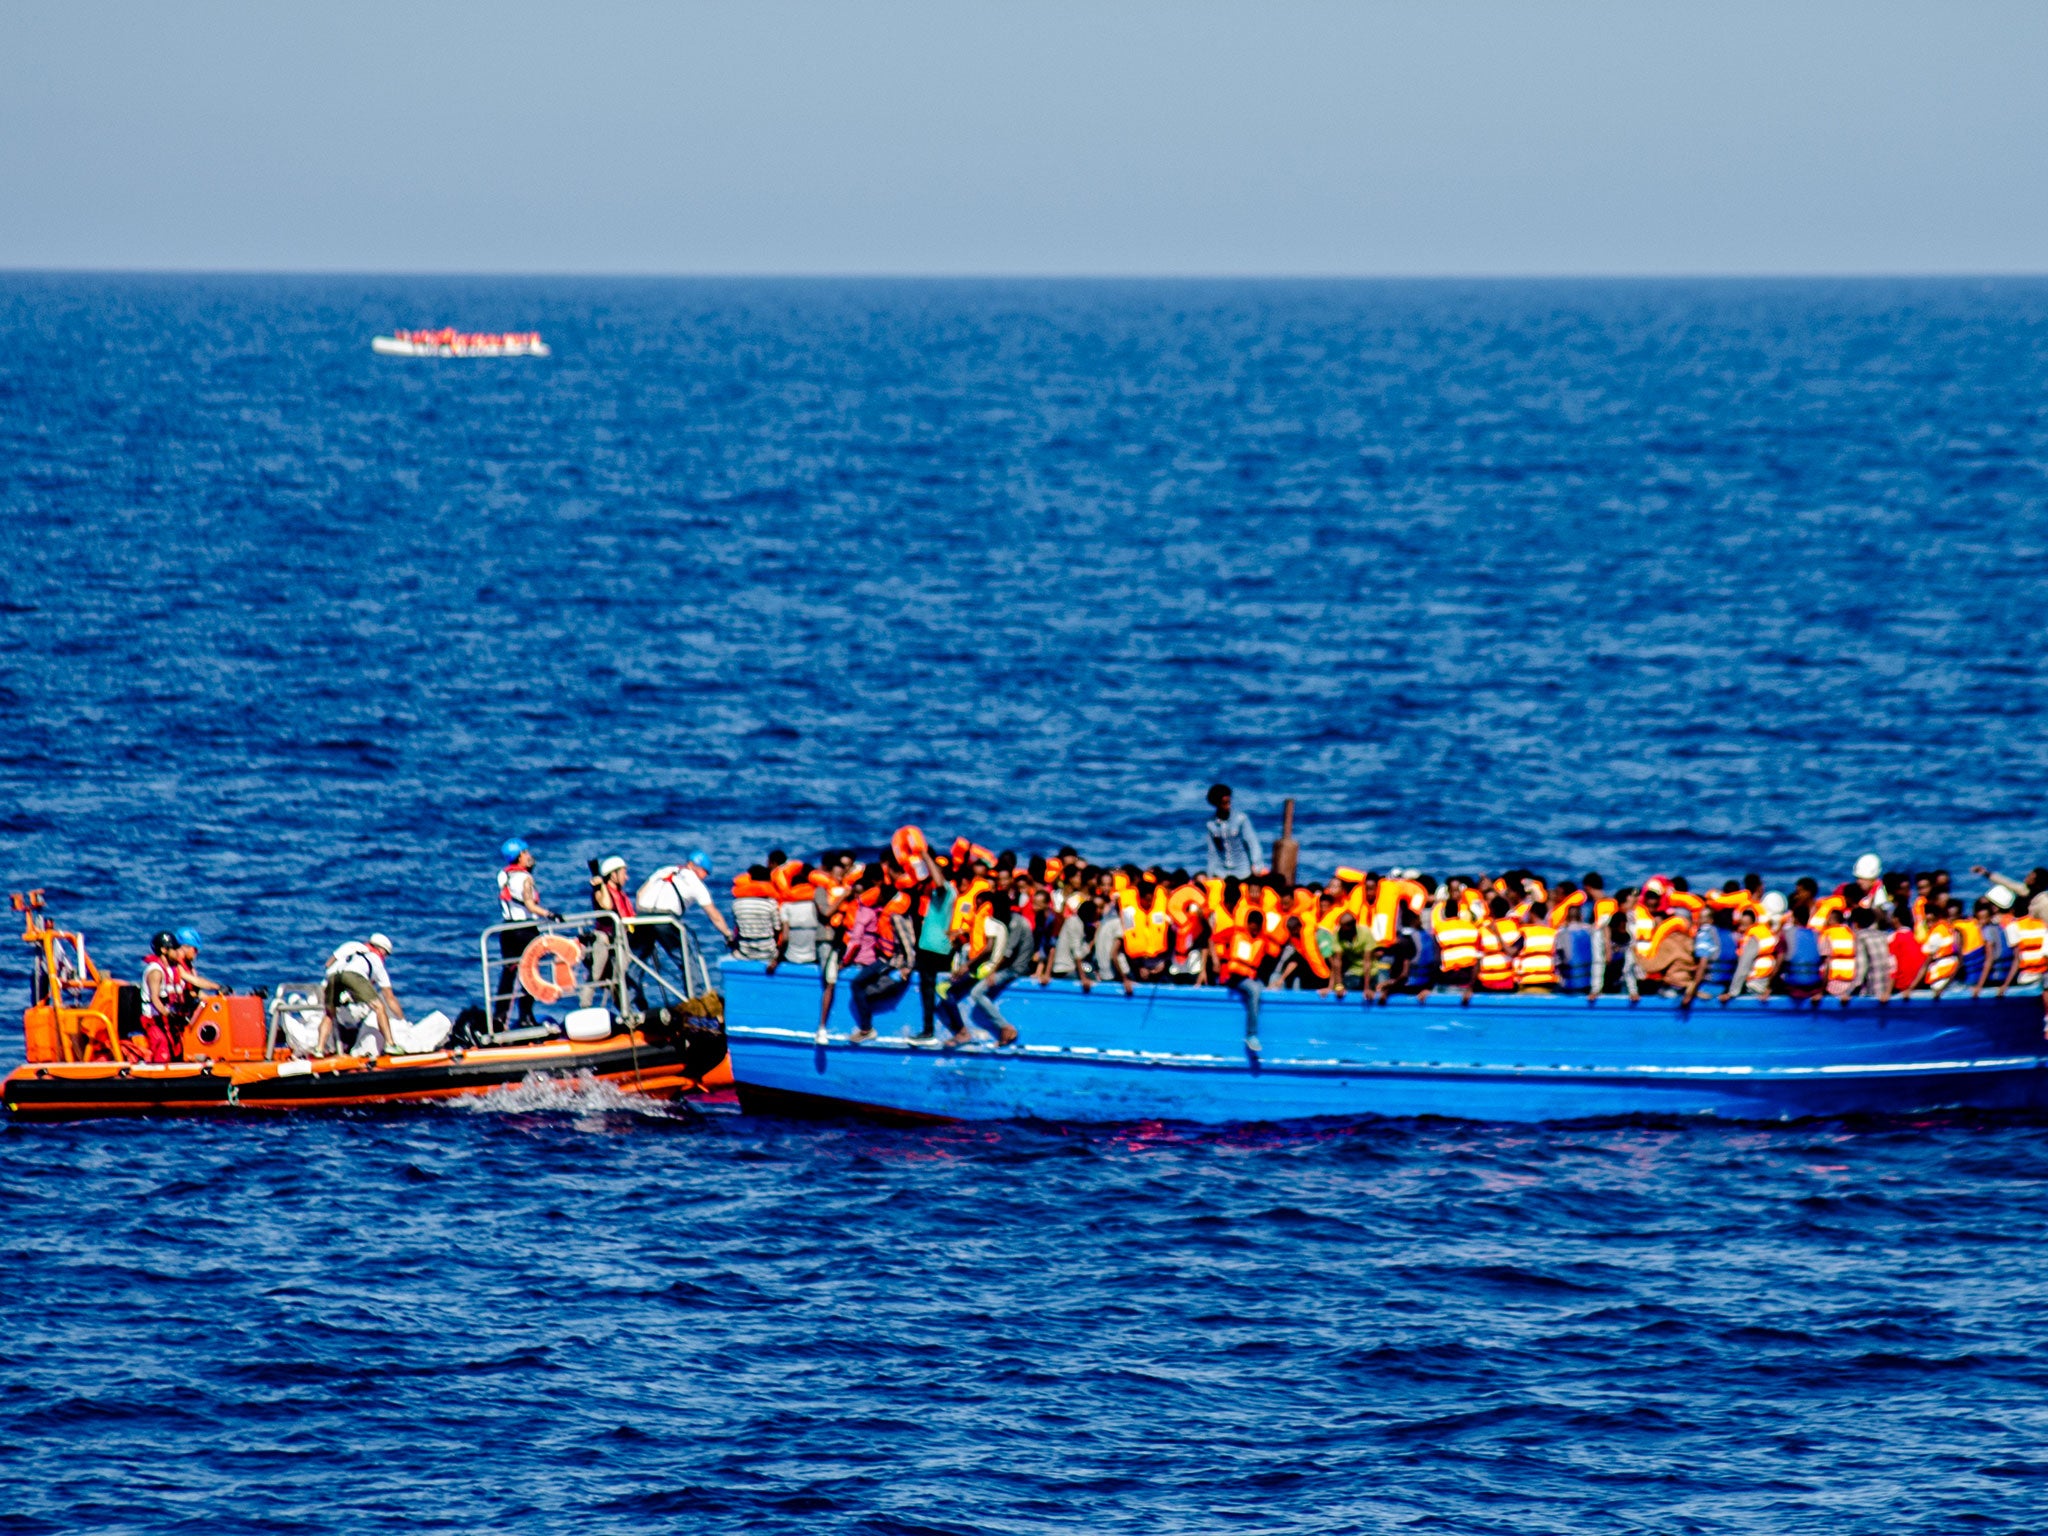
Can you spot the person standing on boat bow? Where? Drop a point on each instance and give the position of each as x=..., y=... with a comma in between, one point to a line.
x=1233, y=846
x=518, y=903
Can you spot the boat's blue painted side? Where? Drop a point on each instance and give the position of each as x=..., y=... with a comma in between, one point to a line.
x=1178, y=1053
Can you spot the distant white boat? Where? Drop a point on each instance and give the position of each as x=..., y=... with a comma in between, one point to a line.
x=453, y=343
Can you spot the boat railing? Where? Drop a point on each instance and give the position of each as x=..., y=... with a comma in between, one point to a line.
x=655, y=960
x=295, y=1002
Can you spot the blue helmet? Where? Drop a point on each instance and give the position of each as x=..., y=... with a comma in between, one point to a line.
x=512, y=847
x=189, y=936
x=701, y=859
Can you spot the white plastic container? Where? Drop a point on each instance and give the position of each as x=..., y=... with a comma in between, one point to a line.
x=588, y=1023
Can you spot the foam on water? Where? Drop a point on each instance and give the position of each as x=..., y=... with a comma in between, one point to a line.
x=580, y=1093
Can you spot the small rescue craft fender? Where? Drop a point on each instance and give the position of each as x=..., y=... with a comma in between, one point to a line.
x=547, y=968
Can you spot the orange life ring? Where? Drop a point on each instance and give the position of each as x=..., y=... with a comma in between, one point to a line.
x=547, y=968
x=913, y=853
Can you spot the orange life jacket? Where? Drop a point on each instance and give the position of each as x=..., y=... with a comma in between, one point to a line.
x=1642, y=925
x=1536, y=965
x=966, y=911
x=1496, y=966
x=2030, y=951
x=1943, y=961
x=1768, y=946
x=1839, y=945
x=1185, y=905
x=1311, y=952
x=1276, y=921
x=1457, y=942
x=1150, y=930
x=1240, y=951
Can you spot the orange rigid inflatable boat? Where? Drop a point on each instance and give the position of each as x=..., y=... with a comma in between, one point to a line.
x=88, y=1057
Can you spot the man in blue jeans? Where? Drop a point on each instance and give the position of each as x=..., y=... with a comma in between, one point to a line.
x=1010, y=958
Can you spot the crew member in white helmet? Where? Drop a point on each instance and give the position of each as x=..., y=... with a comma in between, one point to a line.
x=608, y=883
x=2034, y=892
x=358, y=990
x=674, y=889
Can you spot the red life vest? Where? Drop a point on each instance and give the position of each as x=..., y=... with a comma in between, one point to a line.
x=175, y=987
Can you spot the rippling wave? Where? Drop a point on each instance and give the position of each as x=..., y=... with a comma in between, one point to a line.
x=1700, y=577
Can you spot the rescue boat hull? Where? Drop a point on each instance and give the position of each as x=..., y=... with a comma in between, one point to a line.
x=394, y=346
x=76, y=1091
x=1179, y=1054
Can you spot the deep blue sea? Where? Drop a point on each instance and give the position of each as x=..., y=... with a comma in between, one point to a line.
x=1685, y=577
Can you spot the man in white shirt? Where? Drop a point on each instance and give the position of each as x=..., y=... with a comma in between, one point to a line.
x=673, y=889
x=356, y=972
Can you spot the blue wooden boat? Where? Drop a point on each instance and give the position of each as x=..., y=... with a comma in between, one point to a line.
x=1179, y=1053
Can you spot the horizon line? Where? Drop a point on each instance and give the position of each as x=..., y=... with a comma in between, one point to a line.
x=1958, y=274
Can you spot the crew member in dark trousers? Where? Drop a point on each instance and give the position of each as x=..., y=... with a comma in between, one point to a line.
x=519, y=903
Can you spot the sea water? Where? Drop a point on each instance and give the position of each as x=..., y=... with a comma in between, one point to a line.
x=1693, y=578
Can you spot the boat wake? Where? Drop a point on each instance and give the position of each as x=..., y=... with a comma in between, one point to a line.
x=580, y=1093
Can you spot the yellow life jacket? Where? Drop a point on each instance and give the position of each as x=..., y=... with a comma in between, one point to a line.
x=1536, y=965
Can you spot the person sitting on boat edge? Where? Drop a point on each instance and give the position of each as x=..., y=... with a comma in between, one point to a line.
x=1536, y=956
x=879, y=944
x=1240, y=958
x=1662, y=958
x=1718, y=949
x=758, y=933
x=1348, y=951
x=358, y=989
x=519, y=904
x=831, y=884
x=790, y=880
x=1068, y=958
x=1760, y=950
x=1401, y=965
x=1108, y=954
x=1007, y=957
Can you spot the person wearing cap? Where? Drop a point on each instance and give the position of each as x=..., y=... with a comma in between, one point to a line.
x=358, y=989
x=519, y=905
x=608, y=895
x=188, y=951
x=673, y=890
x=2034, y=892
x=1981, y=941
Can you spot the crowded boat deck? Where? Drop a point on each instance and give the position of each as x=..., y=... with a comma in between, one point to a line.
x=903, y=979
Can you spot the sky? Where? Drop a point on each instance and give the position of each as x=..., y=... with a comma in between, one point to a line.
x=1117, y=137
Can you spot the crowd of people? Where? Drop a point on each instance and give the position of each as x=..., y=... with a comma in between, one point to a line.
x=966, y=924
